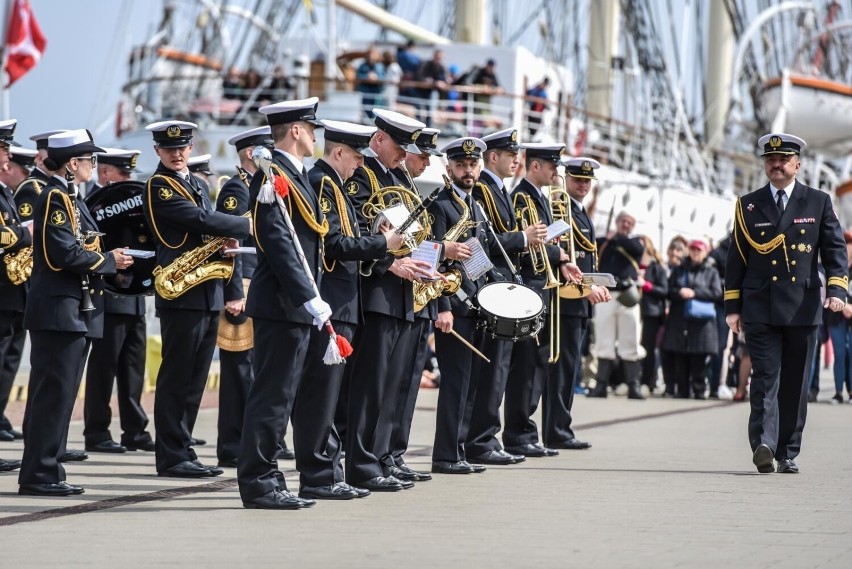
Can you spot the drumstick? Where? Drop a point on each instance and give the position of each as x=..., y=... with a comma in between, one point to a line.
x=469, y=345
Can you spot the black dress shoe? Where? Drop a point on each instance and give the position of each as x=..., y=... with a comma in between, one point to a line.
x=330, y=492
x=19, y=436
x=787, y=466
x=379, y=484
x=147, y=446
x=571, y=444
x=401, y=474
x=446, y=467
x=58, y=489
x=762, y=459
x=278, y=499
x=73, y=456
x=6, y=436
x=531, y=450
x=406, y=484
x=284, y=453
x=193, y=442
x=420, y=476
x=361, y=492
x=214, y=470
x=9, y=465
x=477, y=468
x=229, y=463
x=186, y=469
x=106, y=446
x=496, y=457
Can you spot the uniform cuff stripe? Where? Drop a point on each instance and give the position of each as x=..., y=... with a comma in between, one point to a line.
x=732, y=295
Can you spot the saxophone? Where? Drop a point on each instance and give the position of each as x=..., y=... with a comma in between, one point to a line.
x=190, y=269
x=428, y=291
x=19, y=266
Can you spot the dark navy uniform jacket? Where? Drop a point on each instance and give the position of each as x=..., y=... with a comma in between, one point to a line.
x=447, y=211
x=13, y=238
x=497, y=204
x=233, y=199
x=59, y=263
x=771, y=275
x=341, y=281
x=585, y=257
x=382, y=292
x=180, y=216
x=280, y=286
x=27, y=192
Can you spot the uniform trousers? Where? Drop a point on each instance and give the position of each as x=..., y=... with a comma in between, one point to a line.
x=12, y=338
x=562, y=378
x=316, y=441
x=781, y=358
x=485, y=405
x=280, y=353
x=235, y=378
x=458, y=385
x=57, y=360
x=526, y=382
x=380, y=366
x=407, y=399
x=119, y=356
x=618, y=331
x=189, y=339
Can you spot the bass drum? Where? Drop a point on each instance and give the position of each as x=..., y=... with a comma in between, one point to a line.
x=117, y=209
x=510, y=311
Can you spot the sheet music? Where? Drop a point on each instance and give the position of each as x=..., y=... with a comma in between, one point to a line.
x=557, y=229
x=478, y=264
x=600, y=279
x=396, y=216
x=428, y=251
x=139, y=253
x=243, y=250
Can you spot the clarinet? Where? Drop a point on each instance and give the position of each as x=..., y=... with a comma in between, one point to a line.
x=86, y=304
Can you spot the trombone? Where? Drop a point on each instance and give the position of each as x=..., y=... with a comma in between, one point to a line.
x=527, y=214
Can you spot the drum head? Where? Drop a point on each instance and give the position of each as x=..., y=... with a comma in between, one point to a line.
x=510, y=300
x=117, y=209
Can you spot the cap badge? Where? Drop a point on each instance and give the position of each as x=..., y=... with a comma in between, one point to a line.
x=775, y=141
x=57, y=218
x=133, y=160
x=434, y=140
x=468, y=146
x=586, y=166
x=514, y=136
x=173, y=132
x=230, y=203
x=414, y=135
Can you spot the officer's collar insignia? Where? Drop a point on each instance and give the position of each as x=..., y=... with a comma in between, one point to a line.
x=750, y=207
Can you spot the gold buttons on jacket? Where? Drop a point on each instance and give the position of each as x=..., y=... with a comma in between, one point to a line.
x=774, y=262
x=762, y=233
x=793, y=262
x=803, y=231
x=794, y=279
x=774, y=279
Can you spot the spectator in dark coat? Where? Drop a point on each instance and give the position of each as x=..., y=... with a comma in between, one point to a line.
x=691, y=341
x=719, y=257
x=675, y=254
x=652, y=309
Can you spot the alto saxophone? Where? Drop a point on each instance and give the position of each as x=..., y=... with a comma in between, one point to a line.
x=428, y=291
x=19, y=266
x=190, y=269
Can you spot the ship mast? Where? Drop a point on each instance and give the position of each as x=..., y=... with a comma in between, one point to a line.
x=604, y=28
x=720, y=54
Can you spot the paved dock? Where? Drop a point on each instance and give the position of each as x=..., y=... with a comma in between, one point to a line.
x=667, y=484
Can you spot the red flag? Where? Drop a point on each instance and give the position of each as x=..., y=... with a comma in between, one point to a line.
x=24, y=41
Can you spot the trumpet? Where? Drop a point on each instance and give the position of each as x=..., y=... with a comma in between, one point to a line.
x=527, y=215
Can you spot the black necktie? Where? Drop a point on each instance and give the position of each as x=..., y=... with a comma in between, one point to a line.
x=471, y=206
x=779, y=201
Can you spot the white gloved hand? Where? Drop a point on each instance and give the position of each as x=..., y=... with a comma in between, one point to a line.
x=320, y=310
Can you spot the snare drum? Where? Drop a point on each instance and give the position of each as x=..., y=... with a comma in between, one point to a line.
x=510, y=311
